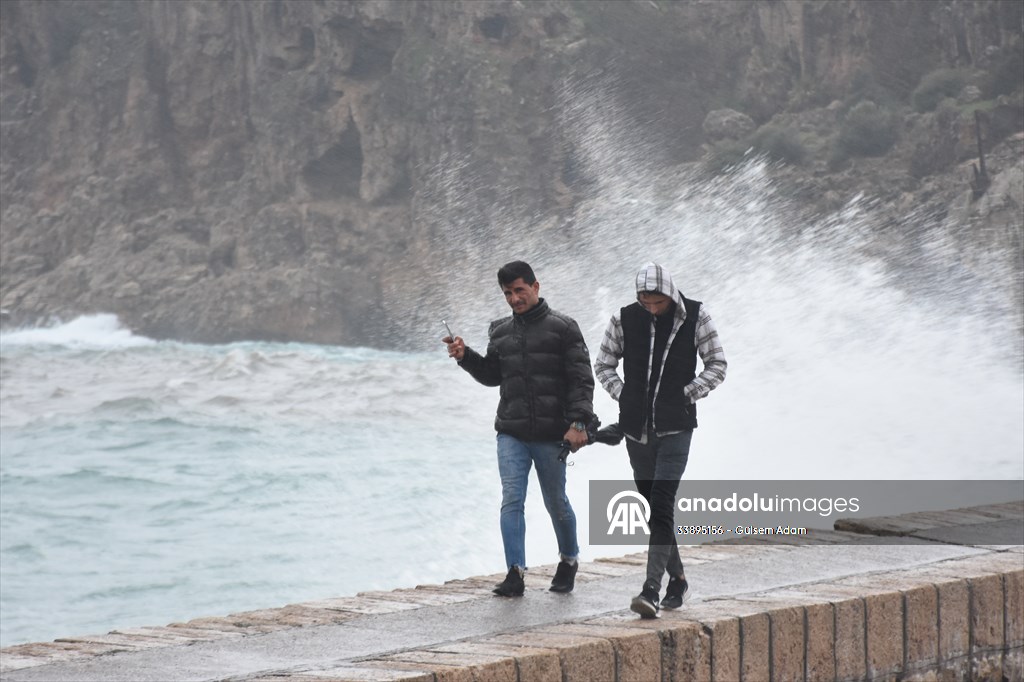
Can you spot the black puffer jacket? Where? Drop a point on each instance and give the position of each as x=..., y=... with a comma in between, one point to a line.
x=542, y=364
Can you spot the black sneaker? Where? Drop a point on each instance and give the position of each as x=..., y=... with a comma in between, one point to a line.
x=675, y=593
x=512, y=585
x=565, y=577
x=646, y=603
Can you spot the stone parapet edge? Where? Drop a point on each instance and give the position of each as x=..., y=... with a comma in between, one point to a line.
x=306, y=614
x=958, y=619
x=955, y=619
x=330, y=611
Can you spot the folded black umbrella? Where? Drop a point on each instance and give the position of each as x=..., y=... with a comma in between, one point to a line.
x=609, y=435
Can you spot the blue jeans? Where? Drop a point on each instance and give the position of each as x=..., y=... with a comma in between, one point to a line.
x=658, y=467
x=515, y=457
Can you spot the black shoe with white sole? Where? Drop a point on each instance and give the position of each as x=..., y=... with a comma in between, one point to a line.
x=646, y=603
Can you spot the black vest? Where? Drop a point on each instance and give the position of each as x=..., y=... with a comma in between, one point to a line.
x=672, y=411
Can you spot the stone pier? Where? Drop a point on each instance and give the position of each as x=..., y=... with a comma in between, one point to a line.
x=856, y=603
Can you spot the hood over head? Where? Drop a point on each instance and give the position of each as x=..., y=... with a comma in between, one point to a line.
x=654, y=278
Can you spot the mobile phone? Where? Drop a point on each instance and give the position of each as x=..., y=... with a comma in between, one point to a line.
x=449, y=330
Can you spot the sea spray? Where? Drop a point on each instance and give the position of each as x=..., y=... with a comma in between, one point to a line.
x=855, y=346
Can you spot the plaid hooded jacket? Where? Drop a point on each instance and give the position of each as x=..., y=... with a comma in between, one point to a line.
x=654, y=278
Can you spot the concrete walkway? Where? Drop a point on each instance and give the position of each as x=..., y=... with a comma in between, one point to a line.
x=459, y=631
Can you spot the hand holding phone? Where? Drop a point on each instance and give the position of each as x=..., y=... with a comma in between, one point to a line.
x=456, y=346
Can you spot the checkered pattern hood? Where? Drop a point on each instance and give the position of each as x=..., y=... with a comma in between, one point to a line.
x=653, y=277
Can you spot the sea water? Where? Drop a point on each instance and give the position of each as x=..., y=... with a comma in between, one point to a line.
x=146, y=482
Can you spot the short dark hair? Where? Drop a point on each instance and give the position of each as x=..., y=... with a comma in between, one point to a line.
x=510, y=272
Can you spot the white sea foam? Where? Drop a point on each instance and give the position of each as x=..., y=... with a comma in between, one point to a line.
x=87, y=331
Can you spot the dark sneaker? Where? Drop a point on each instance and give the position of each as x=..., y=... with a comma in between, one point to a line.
x=565, y=577
x=646, y=603
x=512, y=585
x=675, y=593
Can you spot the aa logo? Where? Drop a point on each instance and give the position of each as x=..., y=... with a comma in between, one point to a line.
x=628, y=512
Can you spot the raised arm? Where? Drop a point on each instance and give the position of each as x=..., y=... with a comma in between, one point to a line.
x=486, y=369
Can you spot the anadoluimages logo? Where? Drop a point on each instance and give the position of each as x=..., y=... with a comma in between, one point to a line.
x=628, y=512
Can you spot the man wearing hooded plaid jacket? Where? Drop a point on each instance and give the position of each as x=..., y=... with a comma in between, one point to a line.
x=658, y=339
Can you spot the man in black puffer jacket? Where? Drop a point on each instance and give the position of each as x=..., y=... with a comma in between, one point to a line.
x=539, y=359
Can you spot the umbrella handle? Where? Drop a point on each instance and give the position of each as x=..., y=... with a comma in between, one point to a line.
x=566, y=449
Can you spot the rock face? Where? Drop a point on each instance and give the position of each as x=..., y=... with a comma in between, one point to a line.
x=727, y=124
x=286, y=170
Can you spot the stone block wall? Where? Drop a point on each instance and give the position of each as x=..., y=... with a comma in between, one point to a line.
x=961, y=620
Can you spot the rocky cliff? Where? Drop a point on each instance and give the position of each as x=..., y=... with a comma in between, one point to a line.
x=215, y=171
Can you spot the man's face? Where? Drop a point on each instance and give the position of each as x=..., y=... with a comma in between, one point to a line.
x=521, y=296
x=653, y=302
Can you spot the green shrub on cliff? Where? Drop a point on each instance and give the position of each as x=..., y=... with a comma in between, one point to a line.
x=938, y=85
x=779, y=143
x=774, y=141
x=866, y=130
